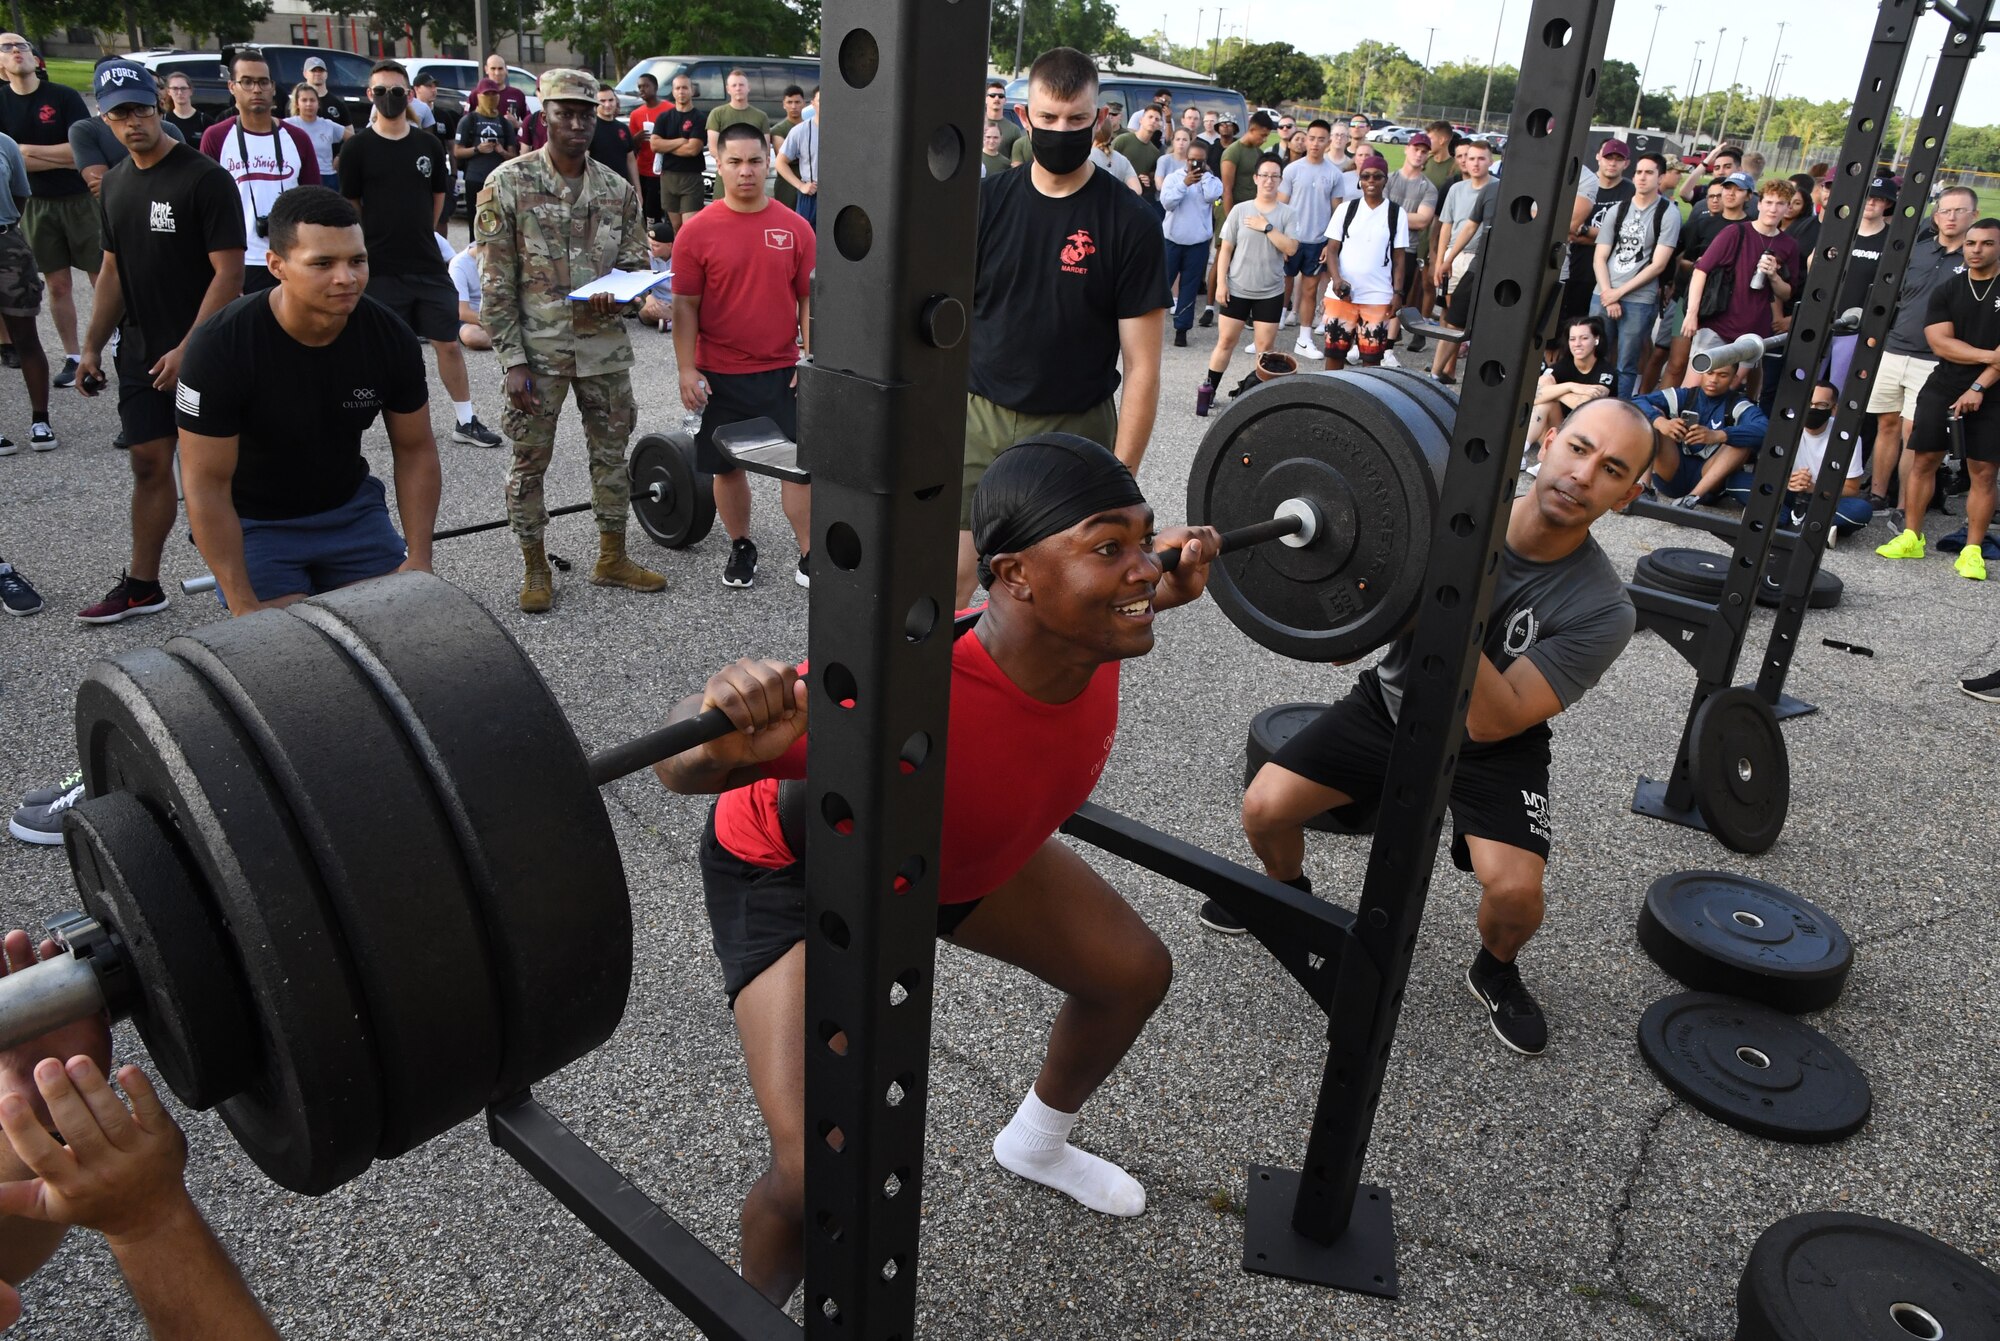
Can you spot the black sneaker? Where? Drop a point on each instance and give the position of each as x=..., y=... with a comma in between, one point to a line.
x=476, y=433
x=67, y=377
x=16, y=596
x=1517, y=1020
x=10, y=357
x=128, y=598
x=1180, y=338
x=1986, y=688
x=121, y=443
x=8, y=446
x=42, y=825
x=1218, y=918
x=804, y=575
x=41, y=437
x=1207, y=318
x=741, y=570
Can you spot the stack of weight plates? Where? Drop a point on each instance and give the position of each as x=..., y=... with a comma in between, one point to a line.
x=1699, y=573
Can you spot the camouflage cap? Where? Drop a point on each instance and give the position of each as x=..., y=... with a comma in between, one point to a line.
x=568, y=86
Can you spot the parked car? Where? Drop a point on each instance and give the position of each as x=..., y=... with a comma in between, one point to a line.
x=769, y=77
x=1134, y=95
x=455, y=79
x=1392, y=135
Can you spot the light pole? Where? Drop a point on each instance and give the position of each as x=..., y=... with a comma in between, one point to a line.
x=1640, y=92
x=1713, y=65
x=1488, y=94
x=1425, y=82
x=1764, y=109
x=1020, y=32
x=1687, y=99
x=1215, y=47
x=1722, y=126
x=1920, y=100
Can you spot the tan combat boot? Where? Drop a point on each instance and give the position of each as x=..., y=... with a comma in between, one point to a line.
x=538, y=587
x=615, y=570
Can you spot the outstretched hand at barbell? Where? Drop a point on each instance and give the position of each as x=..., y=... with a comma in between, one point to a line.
x=765, y=701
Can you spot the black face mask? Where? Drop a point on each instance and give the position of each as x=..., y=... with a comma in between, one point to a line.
x=1060, y=151
x=1816, y=418
x=391, y=102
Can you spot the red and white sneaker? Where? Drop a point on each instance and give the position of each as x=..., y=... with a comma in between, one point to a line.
x=130, y=597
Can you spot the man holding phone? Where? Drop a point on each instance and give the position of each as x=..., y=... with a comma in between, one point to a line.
x=1188, y=197
x=1707, y=432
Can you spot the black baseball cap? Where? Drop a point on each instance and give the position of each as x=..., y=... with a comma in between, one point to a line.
x=1884, y=188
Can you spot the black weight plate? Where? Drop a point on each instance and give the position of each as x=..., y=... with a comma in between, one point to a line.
x=1368, y=457
x=1273, y=727
x=1754, y=1068
x=1696, y=572
x=684, y=509
x=1645, y=574
x=190, y=1006
x=1836, y=1276
x=1741, y=772
x=516, y=788
x=1441, y=401
x=147, y=724
x=1719, y=932
x=1827, y=588
x=387, y=859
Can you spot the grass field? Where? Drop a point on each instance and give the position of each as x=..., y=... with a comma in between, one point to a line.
x=74, y=73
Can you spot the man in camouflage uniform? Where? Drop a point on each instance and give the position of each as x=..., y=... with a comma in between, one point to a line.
x=551, y=221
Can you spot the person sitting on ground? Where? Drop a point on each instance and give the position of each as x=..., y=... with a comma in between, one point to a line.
x=116, y=1169
x=1962, y=326
x=1250, y=276
x=275, y=393
x=464, y=271
x=1560, y=617
x=1707, y=433
x=1579, y=377
x=1852, y=511
x=1069, y=558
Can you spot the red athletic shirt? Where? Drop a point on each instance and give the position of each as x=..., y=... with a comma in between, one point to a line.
x=1015, y=768
x=641, y=123
x=750, y=271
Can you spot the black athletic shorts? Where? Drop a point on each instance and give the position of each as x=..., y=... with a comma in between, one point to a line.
x=1500, y=792
x=428, y=304
x=1458, y=306
x=735, y=397
x=757, y=913
x=1255, y=309
x=1976, y=436
x=146, y=415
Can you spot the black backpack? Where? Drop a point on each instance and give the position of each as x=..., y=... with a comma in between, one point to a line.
x=1618, y=219
x=1388, y=248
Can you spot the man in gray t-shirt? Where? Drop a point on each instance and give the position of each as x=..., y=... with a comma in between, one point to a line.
x=1559, y=618
x=1907, y=360
x=1635, y=244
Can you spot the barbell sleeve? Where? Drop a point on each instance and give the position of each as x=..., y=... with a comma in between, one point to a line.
x=58, y=991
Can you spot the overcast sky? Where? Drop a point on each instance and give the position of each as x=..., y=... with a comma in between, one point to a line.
x=1826, y=47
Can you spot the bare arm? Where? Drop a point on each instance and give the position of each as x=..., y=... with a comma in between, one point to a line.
x=1139, y=351
x=418, y=481
x=1506, y=705
x=784, y=166
x=108, y=308
x=207, y=467
x=1941, y=337
x=42, y=157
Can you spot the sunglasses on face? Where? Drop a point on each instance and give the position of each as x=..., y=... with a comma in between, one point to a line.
x=1374, y=176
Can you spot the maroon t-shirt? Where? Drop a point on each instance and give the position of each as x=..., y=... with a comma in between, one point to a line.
x=1749, y=310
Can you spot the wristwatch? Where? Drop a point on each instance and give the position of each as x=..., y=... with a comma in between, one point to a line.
x=1977, y=387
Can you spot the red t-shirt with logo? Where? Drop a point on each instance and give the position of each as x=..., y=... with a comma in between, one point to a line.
x=1015, y=768
x=641, y=123
x=750, y=271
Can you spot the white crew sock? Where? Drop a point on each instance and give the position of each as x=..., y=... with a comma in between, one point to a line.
x=1036, y=1146
x=464, y=408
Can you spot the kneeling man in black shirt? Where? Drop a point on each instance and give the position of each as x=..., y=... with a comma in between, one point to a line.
x=275, y=394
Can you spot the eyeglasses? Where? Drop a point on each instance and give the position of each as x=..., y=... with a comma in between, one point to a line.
x=132, y=111
x=1374, y=176
x=1287, y=125
x=1270, y=177
x=252, y=83
x=11, y=48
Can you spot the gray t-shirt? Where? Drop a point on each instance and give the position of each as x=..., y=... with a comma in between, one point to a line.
x=1659, y=224
x=323, y=134
x=1571, y=618
x=1312, y=188
x=14, y=187
x=1256, y=268
x=802, y=150
x=1459, y=202
x=1929, y=263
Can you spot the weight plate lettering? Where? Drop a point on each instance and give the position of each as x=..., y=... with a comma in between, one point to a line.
x=674, y=502
x=1837, y=1276
x=1740, y=936
x=386, y=857
x=148, y=725
x=1370, y=458
x=1740, y=770
x=1274, y=726
x=1754, y=1068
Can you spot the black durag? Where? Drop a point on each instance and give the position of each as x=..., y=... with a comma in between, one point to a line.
x=1041, y=487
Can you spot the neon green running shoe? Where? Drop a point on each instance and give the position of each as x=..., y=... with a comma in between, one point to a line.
x=1971, y=563
x=1908, y=545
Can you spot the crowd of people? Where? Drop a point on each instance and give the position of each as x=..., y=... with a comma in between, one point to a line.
x=265, y=285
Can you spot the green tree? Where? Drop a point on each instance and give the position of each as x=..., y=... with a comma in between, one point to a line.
x=146, y=19
x=631, y=29
x=1273, y=72
x=1463, y=84
x=1091, y=26
x=1373, y=76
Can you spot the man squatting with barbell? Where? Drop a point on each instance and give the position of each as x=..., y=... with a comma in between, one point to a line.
x=1066, y=551
x=1559, y=618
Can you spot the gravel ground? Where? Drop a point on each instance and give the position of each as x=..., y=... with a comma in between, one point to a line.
x=1563, y=1197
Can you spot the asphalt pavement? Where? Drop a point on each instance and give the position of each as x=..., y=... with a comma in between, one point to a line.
x=1566, y=1196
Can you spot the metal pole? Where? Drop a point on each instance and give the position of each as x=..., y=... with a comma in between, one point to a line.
x=1640, y=92
x=1713, y=66
x=1722, y=126
x=1764, y=108
x=1903, y=135
x=1490, y=60
x=1215, y=47
x=1020, y=33
x=482, y=34
x=1687, y=98
x=1422, y=84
